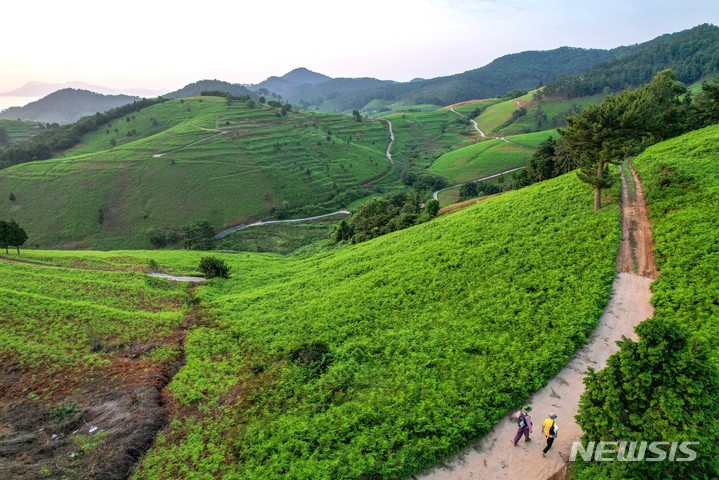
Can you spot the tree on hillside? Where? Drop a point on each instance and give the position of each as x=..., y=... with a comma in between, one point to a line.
x=12, y=235
x=708, y=102
x=357, y=115
x=198, y=236
x=4, y=137
x=662, y=388
x=623, y=125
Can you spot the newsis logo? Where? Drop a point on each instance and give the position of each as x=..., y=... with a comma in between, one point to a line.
x=634, y=451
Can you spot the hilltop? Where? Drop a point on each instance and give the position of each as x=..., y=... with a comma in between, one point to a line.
x=66, y=106
x=181, y=161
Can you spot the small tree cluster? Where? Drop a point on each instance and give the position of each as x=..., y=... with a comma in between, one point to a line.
x=198, y=236
x=477, y=189
x=663, y=387
x=383, y=215
x=11, y=235
x=213, y=267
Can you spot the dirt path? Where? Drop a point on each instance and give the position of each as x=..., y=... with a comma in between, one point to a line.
x=495, y=457
x=488, y=177
x=476, y=127
x=230, y=230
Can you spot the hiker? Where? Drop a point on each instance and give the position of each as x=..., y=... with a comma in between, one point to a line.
x=549, y=428
x=524, y=422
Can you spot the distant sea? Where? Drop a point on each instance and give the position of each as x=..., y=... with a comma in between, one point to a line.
x=7, y=102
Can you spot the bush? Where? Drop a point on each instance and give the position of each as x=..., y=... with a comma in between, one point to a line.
x=213, y=267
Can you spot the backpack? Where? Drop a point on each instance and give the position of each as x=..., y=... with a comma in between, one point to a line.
x=522, y=420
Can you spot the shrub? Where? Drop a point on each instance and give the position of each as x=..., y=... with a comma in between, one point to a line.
x=213, y=267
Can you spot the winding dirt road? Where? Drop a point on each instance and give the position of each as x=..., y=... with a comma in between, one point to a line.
x=488, y=177
x=495, y=457
x=476, y=127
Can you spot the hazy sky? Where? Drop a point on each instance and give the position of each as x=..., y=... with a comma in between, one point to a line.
x=164, y=45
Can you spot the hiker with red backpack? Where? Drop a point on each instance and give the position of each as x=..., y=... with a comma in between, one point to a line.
x=524, y=422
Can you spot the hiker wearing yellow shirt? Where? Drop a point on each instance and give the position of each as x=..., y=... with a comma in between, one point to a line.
x=549, y=429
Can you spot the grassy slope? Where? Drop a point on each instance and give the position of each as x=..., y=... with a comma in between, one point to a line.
x=421, y=137
x=50, y=317
x=681, y=183
x=260, y=162
x=488, y=157
x=19, y=130
x=433, y=332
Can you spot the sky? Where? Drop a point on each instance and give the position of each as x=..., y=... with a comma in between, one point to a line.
x=163, y=45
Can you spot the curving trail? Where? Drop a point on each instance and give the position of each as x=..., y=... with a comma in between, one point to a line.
x=495, y=457
x=476, y=127
x=230, y=230
x=488, y=177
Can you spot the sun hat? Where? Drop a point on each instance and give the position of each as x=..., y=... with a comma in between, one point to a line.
x=552, y=415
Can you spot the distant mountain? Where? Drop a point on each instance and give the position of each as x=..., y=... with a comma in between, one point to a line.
x=41, y=89
x=692, y=54
x=284, y=84
x=518, y=71
x=66, y=106
x=524, y=71
x=194, y=89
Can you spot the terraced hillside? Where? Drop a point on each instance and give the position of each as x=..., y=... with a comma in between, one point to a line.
x=187, y=160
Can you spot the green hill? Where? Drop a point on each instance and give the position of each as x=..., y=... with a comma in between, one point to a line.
x=692, y=54
x=187, y=160
x=66, y=106
x=488, y=157
x=681, y=183
x=383, y=358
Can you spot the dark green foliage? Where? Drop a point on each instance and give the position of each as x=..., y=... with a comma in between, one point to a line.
x=383, y=215
x=198, y=236
x=624, y=125
x=707, y=103
x=693, y=54
x=4, y=137
x=12, y=235
x=315, y=356
x=478, y=189
x=213, y=267
x=63, y=411
x=423, y=181
x=11, y=197
x=662, y=388
x=343, y=231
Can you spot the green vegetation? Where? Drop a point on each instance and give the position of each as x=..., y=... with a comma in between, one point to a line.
x=213, y=267
x=58, y=319
x=681, y=184
x=673, y=381
x=227, y=164
x=383, y=358
x=626, y=124
x=20, y=130
x=692, y=54
x=278, y=238
x=487, y=157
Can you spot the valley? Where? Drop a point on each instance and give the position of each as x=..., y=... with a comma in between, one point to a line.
x=402, y=266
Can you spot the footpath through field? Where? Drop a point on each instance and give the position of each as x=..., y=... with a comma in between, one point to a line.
x=495, y=457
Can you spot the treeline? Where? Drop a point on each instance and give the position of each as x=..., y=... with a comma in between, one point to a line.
x=620, y=126
x=523, y=71
x=692, y=55
x=48, y=143
x=379, y=216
